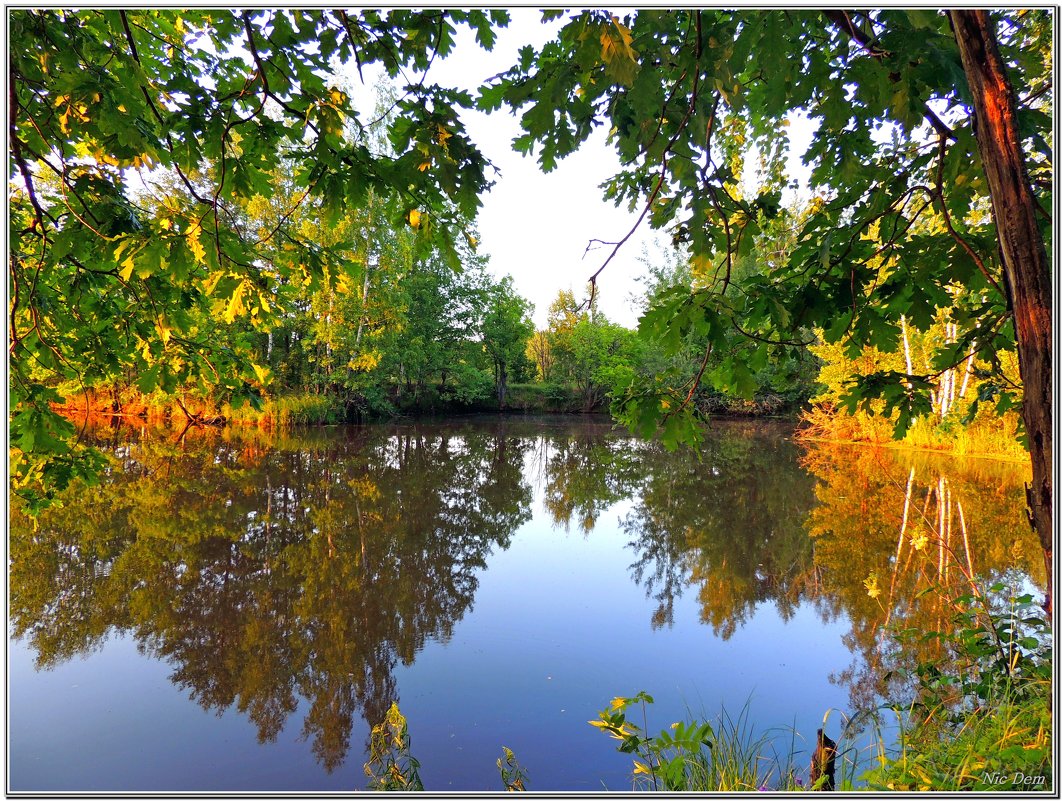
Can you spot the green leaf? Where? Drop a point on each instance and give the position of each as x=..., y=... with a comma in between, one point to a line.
x=148, y=379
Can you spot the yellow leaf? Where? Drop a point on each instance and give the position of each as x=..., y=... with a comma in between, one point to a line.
x=194, y=244
x=261, y=372
x=211, y=283
x=414, y=218
x=423, y=165
x=365, y=361
x=701, y=264
x=871, y=583
x=235, y=306
x=621, y=60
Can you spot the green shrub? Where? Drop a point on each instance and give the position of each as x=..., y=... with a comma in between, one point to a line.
x=981, y=720
x=695, y=756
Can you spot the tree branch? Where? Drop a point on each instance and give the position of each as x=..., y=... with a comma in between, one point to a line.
x=844, y=23
x=951, y=228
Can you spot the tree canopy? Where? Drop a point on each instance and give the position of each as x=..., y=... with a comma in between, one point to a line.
x=103, y=102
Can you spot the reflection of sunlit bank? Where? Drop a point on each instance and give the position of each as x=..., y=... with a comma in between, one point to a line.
x=901, y=535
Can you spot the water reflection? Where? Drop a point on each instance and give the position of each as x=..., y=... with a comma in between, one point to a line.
x=900, y=535
x=730, y=523
x=271, y=572
x=265, y=575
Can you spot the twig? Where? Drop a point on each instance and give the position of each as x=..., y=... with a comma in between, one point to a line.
x=951, y=229
x=697, y=378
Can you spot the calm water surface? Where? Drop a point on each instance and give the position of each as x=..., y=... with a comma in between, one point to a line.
x=233, y=610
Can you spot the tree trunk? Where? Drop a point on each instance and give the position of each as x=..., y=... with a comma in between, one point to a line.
x=823, y=763
x=1025, y=264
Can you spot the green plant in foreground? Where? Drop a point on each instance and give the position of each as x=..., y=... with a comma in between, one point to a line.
x=513, y=775
x=390, y=765
x=694, y=755
x=982, y=719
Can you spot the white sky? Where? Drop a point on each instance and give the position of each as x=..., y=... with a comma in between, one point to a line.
x=536, y=226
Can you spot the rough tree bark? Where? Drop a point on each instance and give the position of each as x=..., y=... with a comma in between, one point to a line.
x=1025, y=262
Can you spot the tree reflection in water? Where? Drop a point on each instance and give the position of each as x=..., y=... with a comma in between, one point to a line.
x=306, y=568
x=900, y=535
x=880, y=536
x=267, y=569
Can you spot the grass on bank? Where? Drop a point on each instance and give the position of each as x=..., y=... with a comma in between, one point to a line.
x=982, y=717
x=287, y=410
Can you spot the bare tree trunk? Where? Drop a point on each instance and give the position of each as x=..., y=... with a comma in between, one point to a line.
x=952, y=329
x=502, y=385
x=364, y=307
x=969, y=369
x=1025, y=263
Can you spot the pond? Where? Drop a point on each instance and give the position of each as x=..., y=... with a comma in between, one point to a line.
x=233, y=610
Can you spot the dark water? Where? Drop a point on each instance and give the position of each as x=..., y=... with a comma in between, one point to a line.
x=232, y=611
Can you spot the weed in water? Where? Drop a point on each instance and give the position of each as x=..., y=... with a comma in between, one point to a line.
x=513, y=775
x=391, y=766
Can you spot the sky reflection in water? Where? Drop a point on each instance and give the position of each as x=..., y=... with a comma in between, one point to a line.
x=501, y=579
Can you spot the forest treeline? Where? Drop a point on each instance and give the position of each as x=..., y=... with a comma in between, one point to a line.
x=395, y=331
